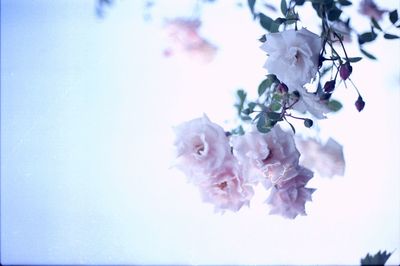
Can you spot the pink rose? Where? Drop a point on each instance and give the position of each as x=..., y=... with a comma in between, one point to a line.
x=270, y=158
x=250, y=150
x=283, y=158
x=288, y=198
x=202, y=147
x=226, y=188
x=310, y=102
x=327, y=159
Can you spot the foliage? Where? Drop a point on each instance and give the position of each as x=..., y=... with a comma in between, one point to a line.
x=379, y=258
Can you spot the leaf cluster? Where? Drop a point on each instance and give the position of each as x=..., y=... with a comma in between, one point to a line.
x=379, y=258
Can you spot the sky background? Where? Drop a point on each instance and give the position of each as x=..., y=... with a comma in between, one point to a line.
x=87, y=110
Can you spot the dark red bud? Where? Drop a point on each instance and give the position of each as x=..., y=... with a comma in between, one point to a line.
x=329, y=86
x=282, y=88
x=345, y=70
x=360, y=104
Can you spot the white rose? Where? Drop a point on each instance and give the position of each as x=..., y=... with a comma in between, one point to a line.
x=250, y=149
x=226, y=188
x=310, y=102
x=293, y=56
x=201, y=147
x=270, y=158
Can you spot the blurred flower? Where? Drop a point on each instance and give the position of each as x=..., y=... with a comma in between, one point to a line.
x=201, y=146
x=226, y=188
x=183, y=35
x=293, y=56
x=370, y=9
x=271, y=158
x=289, y=197
x=327, y=159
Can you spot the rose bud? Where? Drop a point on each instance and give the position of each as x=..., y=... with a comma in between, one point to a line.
x=345, y=70
x=360, y=103
x=329, y=86
x=282, y=88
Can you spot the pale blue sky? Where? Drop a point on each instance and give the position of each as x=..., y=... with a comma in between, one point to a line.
x=87, y=107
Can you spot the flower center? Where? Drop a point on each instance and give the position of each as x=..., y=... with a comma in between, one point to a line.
x=294, y=56
x=199, y=148
x=222, y=185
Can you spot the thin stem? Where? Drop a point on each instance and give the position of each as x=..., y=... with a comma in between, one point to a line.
x=296, y=117
x=341, y=43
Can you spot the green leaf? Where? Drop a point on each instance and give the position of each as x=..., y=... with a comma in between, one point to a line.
x=334, y=14
x=262, y=124
x=375, y=23
x=268, y=23
x=300, y=2
x=266, y=83
x=272, y=77
x=242, y=97
x=277, y=97
x=274, y=116
x=390, y=36
x=251, y=4
x=393, y=16
x=366, y=37
x=370, y=56
x=354, y=59
x=252, y=106
x=283, y=7
x=345, y=2
x=241, y=94
x=317, y=7
x=334, y=105
x=247, y=111
x=280, y=20
x=378, y=259
x=275, y=106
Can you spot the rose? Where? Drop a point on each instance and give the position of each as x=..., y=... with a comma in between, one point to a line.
x=293, y=56
x=310, y=102
x=327, y=160
x=273, y=156
x=250, y=149
x=201, y=147
x=289, y=197
x=226, y=188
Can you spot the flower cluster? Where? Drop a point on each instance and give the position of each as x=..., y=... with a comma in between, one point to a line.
x=225, y=168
